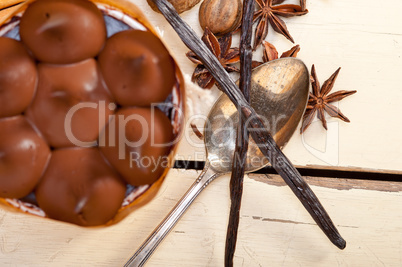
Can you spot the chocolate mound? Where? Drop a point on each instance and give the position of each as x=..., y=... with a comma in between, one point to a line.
x=23, y=157
x=80, y=187
x=137, y=68
x=137, y=142
x=63, y=31
x=18, y=78
x=71, y=105
x=63, y=130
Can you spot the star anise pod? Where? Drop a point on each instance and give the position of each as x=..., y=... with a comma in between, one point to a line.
x=269, y=14
x=270, y=53
x=319, y=101
x=221, y=49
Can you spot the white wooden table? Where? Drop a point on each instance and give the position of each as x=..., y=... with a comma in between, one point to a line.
x=365, y=39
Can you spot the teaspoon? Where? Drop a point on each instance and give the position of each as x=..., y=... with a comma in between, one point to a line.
x=279, y=93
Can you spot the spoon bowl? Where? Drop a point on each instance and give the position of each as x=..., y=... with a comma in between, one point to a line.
x=279, y=93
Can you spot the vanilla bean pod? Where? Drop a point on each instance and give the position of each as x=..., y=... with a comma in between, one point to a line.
x=256, y=127
x=240, y=154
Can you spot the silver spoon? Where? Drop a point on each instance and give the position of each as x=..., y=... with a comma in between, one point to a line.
x=279, y=93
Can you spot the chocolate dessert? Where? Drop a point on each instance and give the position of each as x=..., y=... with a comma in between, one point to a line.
x=80, y=187
x=63, y=31
x=67, y=108
x=73, y=101
x=142, y=157
x=23, y=157
x=18, y=78
x=137, y=59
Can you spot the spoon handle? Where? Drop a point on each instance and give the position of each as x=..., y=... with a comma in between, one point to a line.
x=259, y=131
x=156, y=237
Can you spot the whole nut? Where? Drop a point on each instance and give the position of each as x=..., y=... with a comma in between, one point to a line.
x=220, y=16
x=179, y=5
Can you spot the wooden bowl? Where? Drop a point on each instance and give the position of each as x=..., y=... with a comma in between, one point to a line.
x=130, y=14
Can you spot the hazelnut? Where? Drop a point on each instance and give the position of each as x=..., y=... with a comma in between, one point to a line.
x=220, y=16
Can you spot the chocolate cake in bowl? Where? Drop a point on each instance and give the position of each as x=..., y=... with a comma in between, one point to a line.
x=91, y=110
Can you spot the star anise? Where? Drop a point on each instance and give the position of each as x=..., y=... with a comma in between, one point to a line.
x=319, y=101
x=221, y=49
x=269, y=14
x=270, y=53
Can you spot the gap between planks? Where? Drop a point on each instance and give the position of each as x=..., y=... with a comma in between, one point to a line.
x=315, y=171
x=334, y=183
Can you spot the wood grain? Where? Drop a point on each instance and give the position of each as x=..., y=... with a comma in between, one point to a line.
x=335, y=183
x=8, y=3
x=275, y=230
x=331, y=35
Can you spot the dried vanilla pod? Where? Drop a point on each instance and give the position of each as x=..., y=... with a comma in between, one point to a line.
x=268, y=146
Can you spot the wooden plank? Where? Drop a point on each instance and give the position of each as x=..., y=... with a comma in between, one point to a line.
x=331, y=35
x=8, y=3
x=275, y=230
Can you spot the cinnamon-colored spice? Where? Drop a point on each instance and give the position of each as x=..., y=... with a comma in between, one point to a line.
x=269, y=13
x=319, y=101
x=222, y=51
